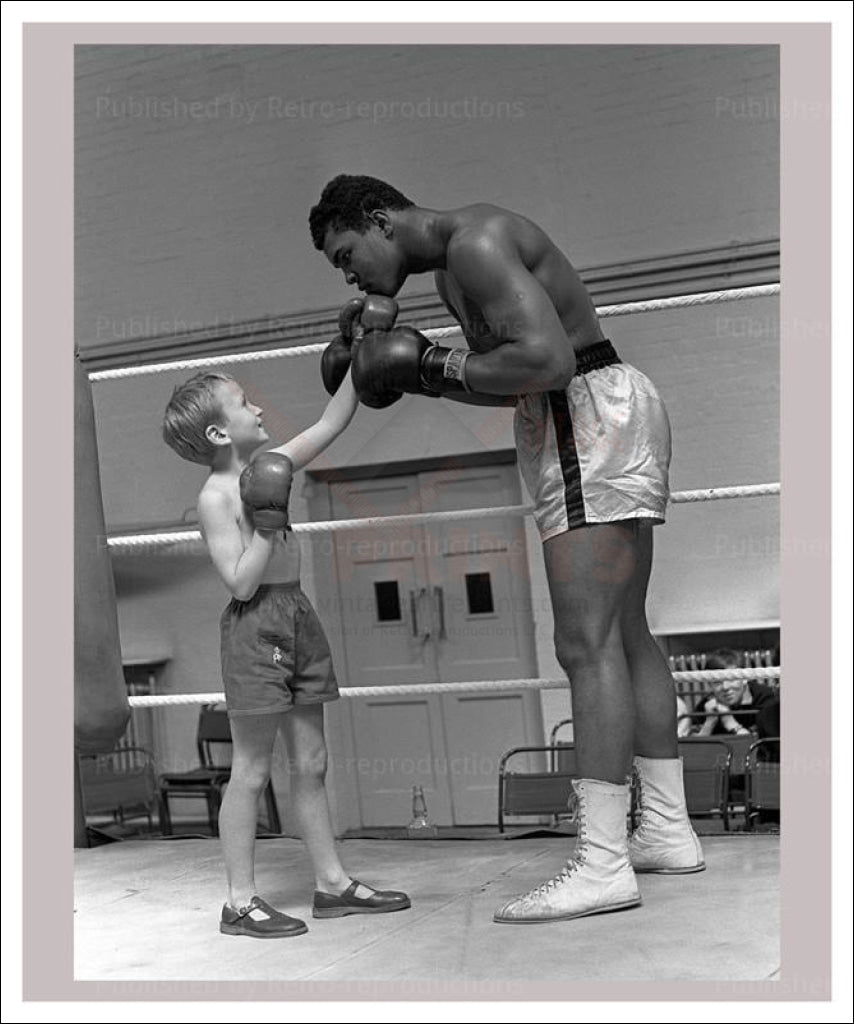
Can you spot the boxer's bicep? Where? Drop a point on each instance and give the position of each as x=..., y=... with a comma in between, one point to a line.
x=516, y=308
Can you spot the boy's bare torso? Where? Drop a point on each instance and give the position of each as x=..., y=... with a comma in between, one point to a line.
x=284, y=564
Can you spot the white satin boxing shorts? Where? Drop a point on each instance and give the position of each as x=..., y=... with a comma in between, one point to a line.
x=597, y=451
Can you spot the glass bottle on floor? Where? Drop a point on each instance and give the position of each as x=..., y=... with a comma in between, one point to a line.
x=420, y=827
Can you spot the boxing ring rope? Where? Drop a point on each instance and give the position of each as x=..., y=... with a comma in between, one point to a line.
x=439, y=333
x=472, y=686
x=132, y=543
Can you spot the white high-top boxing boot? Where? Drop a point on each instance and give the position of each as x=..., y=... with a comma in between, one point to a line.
x=598, y=877
x=664, y=841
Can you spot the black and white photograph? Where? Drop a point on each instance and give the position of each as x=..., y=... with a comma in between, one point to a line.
x=427, y=464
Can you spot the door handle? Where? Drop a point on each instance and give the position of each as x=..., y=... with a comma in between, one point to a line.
x=415, y=599
x=422, y=593
x=439, y=595
x=413, y=611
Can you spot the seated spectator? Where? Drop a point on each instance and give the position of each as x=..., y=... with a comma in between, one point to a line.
x=684, y=721
x=740, y=706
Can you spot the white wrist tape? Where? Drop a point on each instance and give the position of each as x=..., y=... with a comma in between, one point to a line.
x=455, y=366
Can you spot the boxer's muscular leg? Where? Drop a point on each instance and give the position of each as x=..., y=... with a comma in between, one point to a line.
x=664, y=841
x=652, y=683
x=590, y=572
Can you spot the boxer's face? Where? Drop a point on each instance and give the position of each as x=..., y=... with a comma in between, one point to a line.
x=369, y=260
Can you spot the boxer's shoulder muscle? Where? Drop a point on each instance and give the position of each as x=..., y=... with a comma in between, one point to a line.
x=485, y=225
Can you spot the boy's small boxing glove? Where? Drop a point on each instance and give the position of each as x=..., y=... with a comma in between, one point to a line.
x=265, y=486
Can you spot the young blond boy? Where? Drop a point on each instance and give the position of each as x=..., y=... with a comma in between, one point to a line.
x=277, y=668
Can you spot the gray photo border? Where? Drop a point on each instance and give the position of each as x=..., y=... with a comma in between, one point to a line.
x=48, y=85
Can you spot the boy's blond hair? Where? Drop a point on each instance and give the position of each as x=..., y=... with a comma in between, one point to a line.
x=193, y=407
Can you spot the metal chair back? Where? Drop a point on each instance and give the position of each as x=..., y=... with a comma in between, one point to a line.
x=706, y=769
x=762, y=778
x=542, y=791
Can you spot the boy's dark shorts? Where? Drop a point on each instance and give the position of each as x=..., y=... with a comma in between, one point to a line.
x=274, y=653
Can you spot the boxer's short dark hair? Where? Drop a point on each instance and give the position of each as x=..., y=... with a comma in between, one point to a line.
x=347, y=202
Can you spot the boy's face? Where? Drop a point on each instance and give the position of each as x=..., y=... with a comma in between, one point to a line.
x=369, y=260
x=241, y=420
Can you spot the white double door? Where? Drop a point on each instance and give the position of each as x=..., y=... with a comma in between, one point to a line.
x=445, y=602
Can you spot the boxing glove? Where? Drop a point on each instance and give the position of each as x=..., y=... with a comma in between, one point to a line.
x=377, y=318
x=265, y=486
x=373, y=313
x=379, y=313
x=335, y=361
x=444, y=370
x=334, y=364
x=404, y=360
x=386, y=364
x=348, y=318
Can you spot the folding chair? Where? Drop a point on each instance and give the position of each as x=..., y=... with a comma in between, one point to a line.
x=553, y=740
x=122, y=783
x=536, y=792
x=210, y=778
x=706, y=768
x=762, y=779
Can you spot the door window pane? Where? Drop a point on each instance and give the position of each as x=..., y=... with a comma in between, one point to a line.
x=387, y=598
x=479, y=593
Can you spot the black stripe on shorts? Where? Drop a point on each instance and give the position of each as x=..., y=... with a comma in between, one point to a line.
x=568, y=455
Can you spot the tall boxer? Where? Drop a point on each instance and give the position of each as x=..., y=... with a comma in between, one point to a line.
x=593, y=440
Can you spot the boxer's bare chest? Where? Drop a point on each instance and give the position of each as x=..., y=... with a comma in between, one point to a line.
x=477, y=331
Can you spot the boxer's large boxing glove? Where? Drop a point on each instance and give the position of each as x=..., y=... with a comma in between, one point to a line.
x=378, y=313
x=265, y=486
x=373, y=313
x=376, y=320
x=404, y=361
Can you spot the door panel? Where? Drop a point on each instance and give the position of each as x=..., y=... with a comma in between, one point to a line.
x=479, y=728
x=446, y=602
x=396, y=742
x=387, y=625
x=482, y=599
x=481, y=570
x=384, y=605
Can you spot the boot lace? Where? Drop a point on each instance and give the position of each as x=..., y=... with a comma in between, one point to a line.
x=644, y=818
x=576, y=814
x=562, y=876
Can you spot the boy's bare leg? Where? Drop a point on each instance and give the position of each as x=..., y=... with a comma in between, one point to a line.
x=306, y=743
x=253, y=737
x=336, y=893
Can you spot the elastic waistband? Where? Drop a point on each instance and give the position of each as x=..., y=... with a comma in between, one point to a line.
x=595, y=357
